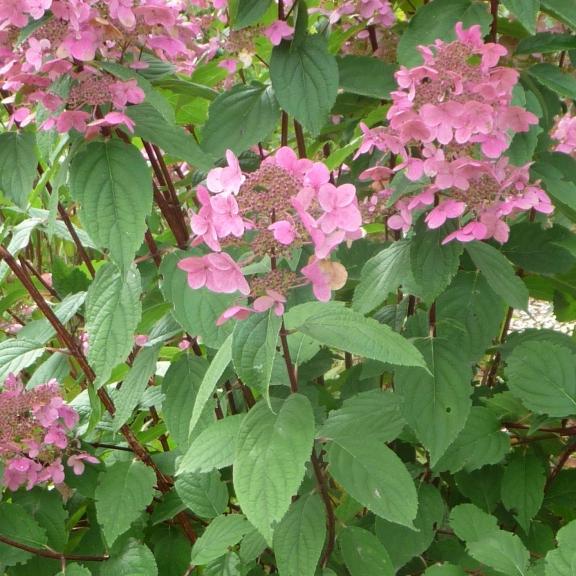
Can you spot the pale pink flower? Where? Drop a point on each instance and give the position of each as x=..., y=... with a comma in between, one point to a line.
x=278, y=31
x=141, y=340
x=284, y=232
x=128, y=92
x=340, y=208
x=227, y=179
x=76, y=462
x=217, y=271
x=472, y=231
x=184, y=344
x=324, y=276
x=272, y=299
x=444, y=210
x=234, y=312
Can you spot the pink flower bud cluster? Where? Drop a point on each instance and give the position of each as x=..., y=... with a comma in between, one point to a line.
x=564, y=133
x=285, y=204
x=66, y=45
x=450, y=122
x=34, y=435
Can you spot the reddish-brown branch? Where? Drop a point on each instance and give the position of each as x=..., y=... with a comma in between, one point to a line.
x=570, y=449
x=47, y=553
x=494, y=26
x=300, y=142
x=330, y=519
x=284, y=130
x=75, y=238
x=164, y=482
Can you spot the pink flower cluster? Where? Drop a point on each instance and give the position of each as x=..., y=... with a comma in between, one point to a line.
x=450, y=123
x=68, y=42
x=564, y=133
x=371, y=11
x=285, y=204
x=34, y=431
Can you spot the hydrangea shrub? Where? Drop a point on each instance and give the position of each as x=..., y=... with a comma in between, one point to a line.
x=259, y=265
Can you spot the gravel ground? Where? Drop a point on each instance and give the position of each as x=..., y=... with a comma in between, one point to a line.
x=540, y=315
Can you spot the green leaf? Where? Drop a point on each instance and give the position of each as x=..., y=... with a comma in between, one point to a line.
x=545, y=42
x=174, y=140
x=525, y=11
x=373, y=413
x=254, y=349
x=75, y=570
x=18, y=525
x=383, y=274
x=348, y=330
x=444, y=570
x=195, y=310
x=436, y=20
x=481, y=487
x=305, y=80
x=134, y=385
x=17, y=354
x=181, y=384
x=436, y=406
x=502, y=551
x=17, y=166
x=479, y=444
x=564, y=11
x=213, y=448
x=113, y=310
x=523, y=487
x=113, y=186
x=47, y=508
x=205, y=494
x=471, y=524
x=213, y=374
x=374, y=476
x=403, y=543
x=363, y=553
x=299, y=538
x=253, y=544
x=367, y=76
x=239, y=118
x=129, y=558
x=172, y=553
x=222, y=532
x=499, y=273
x=543, y=376
x=124, y=490
x=552, y=77
x=433, y=265
x=469, y=313
x=248, y=12
x=227, y=565
x=539, y=250
x=272, y=450
x=562, y=561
